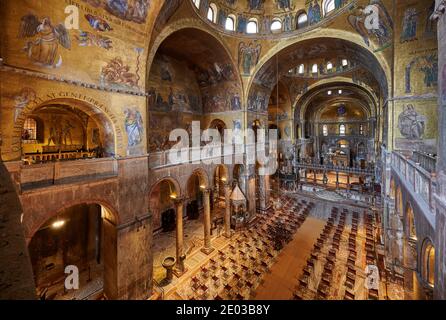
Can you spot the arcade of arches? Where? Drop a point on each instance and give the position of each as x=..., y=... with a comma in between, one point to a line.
x=355, y=210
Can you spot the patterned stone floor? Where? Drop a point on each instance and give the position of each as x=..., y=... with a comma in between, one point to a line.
x=164, y=244
x=236, y=268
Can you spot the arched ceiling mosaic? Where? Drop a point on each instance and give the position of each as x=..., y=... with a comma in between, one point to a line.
x=362, y=68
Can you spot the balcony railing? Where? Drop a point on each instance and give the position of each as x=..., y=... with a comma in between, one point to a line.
x=34, y=176
x=58, y=172
x=427, y=162
x=191, y=155
x=314, y=166
x=420, y=181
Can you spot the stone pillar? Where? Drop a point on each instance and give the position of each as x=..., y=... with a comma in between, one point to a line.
x=227, y=219
x=440, y=225
x=16, y=273
x=179, y=206
x=393, y=236
x=251, y=195
x=263, y=192
x=207, y=248
x=302, y=125
x=128, y=268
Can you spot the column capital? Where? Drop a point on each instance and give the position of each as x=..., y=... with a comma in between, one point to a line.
x=206, y=191
x=179, y=201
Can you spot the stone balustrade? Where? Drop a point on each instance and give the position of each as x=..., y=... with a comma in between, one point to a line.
x=417, y=178
x=29, y=177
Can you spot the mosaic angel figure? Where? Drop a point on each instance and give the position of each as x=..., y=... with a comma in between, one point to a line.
x=44, y=48
x=359, y=19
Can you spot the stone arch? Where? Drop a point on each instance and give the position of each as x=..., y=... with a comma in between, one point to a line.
x=155, y=199
x=301, y=103
x=220, y=125
x=84, y=233
x=177, y=187
x=191, y=24
x=203, y=177
x=353, y=39
x=428, y=262
x=238, y=171
x=219, y=178
x=97, y=111
x=31, y=225
x=223, y=169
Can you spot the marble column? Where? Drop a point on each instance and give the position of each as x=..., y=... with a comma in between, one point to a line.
x=179, y=206
x=263, y=192
x=207, y=248
x=227, y=219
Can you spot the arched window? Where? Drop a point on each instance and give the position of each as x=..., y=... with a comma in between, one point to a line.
x=361, y=130
x=276, y=25
x=329, y=66
x=302, y=69
x=212, y=13
x=329, y=92
x=328, y=6
x=197, y=3
x=340, y=91
x=342, y=129
x=252, y=26
x=429, y=263
x=344, y=62
x=325, y=130
x=314, y=68
x=29, y=129
x=230, y=23
x=302, y=21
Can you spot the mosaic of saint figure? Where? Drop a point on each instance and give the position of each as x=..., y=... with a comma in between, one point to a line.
x=255, y=4
x=339, y=4
x=133, y=127
x=43, y=50
x=135, y=10
x=241, y=24
x=314, y=12
x=66, y=133
x=429, y=66
x=410, y=25
x=248, y=56
x=287, y=22
x=22, y=99
x=411, y=124
x=235, y=102
x=284, y=4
